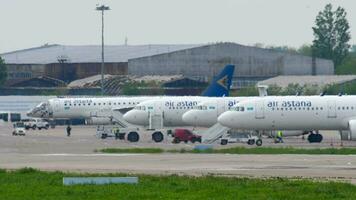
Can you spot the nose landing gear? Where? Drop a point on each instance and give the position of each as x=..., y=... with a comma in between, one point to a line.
x=315, y=137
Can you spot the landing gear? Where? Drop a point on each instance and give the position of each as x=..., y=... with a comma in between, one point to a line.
x=259, y=142
x=315, y=137
x=157, y=136
x=133, y=137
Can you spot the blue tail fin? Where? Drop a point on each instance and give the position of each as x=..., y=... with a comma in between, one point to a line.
x=220, y=86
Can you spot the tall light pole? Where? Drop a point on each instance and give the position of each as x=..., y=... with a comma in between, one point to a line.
x=102, y=8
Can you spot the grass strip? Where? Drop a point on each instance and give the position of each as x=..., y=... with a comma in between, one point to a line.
x=131, y=150
x=32, y=184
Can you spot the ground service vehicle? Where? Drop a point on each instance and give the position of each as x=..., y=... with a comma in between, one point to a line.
x=19, y=129
x=41, y=123
x=185, y=135
x=235, y=137
x=29, y=123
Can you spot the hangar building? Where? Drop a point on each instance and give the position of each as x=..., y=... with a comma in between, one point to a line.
x=200, y=62
x=252, y=64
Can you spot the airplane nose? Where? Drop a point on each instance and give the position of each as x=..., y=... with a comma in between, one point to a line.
x=189, y=118
x=129, y=117
x=225, y=119
x=136, y=117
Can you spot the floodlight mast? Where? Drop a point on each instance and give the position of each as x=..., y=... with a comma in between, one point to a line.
x=102, y=8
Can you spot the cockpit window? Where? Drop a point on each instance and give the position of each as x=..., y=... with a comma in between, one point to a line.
x=240, y=108
x=140, y=108
x=200, y=107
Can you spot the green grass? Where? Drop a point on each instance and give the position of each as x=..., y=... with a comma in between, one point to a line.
x=240, y=150
x=32, y=184
x=131, y=150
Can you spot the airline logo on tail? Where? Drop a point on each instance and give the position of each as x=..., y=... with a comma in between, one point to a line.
x=223, y=82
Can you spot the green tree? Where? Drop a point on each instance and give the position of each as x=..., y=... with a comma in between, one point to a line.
x=353, y=48
x=305, y=50
x=3, y=72
x=331, y=32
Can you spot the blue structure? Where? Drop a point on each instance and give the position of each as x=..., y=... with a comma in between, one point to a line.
x=221, y=84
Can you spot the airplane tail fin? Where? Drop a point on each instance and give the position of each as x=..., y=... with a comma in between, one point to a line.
x=221, y=84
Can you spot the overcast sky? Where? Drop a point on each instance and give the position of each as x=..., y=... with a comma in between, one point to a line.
x=26, y=24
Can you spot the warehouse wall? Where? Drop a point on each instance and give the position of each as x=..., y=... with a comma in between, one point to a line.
x=209, y=60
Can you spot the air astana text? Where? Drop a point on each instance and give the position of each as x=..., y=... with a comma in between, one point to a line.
x=180, y=103
x=289, y=104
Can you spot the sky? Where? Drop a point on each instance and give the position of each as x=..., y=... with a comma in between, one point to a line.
x=26, y=24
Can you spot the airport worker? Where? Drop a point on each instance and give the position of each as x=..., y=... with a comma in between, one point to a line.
x=68, y=130
x=116, y=132
x=279, y=136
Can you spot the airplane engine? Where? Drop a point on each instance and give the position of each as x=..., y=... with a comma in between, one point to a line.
x=98, y=121
x=352, y=127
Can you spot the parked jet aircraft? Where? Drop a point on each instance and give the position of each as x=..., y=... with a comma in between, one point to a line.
x=206, y=114
x=294, y=113
x=105, y=110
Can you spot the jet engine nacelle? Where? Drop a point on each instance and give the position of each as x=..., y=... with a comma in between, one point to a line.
x=352, y=127
x=98, y=121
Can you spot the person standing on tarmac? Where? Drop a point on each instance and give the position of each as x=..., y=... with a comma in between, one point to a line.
x=279, y=137
x=68, y=130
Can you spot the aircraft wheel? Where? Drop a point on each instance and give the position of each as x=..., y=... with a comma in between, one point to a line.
x=133, y=137
x=315, y=138
x=251, y=142
x=223, y=142
x=259, y=142
x=157, y=136
x=34, y=127
x=319, y=137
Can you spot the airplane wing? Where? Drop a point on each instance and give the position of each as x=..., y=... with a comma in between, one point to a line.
x=123, y=110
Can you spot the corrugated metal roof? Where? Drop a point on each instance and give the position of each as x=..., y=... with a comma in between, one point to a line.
x=321, y=80
x=88, y=53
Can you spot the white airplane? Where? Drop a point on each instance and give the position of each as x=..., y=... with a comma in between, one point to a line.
x=95, y=110
x=206, y=114
x=169, y=109
x=106, y=110
x=294, y=113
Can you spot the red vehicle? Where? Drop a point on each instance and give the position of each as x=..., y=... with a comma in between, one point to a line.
x=185, y=135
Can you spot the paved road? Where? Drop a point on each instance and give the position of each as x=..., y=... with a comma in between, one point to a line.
x=52, y=150
x=311, y=166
